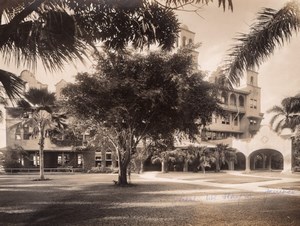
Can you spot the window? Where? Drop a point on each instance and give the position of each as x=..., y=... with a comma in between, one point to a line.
x=232, y=100
x=80, y=159
x=214, y=119
x=251, y=80
x=224, y=98
x=36, y=160
x=183, y=41
x=18, y=133
x=225, y=120
x=241, y=101
x=190, y=41
x=27, y=132
x=253, y=103
x=108, y=156
x=63, y=159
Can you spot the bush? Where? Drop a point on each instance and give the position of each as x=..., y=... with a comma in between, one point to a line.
x=102, y=170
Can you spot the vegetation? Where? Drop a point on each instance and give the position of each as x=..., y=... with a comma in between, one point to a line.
x=273, y=28
x=287, y=115
x=56, y=32
x=133, y=97
x=37, y=111
x=12, y=157
x=223, y=154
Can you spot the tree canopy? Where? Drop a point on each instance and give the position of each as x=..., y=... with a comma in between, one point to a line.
x=135, y=96
x=56, y=32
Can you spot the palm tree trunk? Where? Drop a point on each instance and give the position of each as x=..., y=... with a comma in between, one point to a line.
x=163, y=166
x=41, y=152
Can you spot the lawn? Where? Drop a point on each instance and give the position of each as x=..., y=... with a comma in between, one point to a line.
x=92, y=199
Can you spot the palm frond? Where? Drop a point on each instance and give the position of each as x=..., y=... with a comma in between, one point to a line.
x=273, y=28
x=295, y=104
x=12, y=84
x=276, y=109
x=294, y=122
x=40, y=97
x=182, y=3
x=23, y=104
x=274, y=118
x=280, y=125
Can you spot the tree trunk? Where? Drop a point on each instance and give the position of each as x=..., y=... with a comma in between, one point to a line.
x=122, y=179
x=218, y=168
x=163, y=166
x=41, y=153
x=142, y=166
x=186, y=166
x=202, y=167
x=123, y=164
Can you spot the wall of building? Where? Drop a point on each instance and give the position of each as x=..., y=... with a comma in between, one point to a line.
x=31, y=81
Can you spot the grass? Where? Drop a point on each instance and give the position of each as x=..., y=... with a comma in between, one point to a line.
x=93, y=199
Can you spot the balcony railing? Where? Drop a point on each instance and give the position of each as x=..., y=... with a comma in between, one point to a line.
x=233, y=108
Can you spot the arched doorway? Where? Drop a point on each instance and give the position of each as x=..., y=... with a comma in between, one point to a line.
x=266, y=159
x=240, y=161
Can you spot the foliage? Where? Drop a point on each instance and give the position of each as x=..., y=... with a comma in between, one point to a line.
x=273, y=28
x=12, y=157
x=11, y=83
x=37, y=109
x=59, y=31
x=142, y=96
x=182, y=3
x=287, y=115
x=222, y=154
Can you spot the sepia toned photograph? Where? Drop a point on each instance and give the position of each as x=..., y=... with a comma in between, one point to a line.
x=149, y=112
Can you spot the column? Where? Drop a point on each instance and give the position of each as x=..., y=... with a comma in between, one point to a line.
x=264, y=161
x=254, y=161
x=270, y=163
x=247, y=170
x=62, y=159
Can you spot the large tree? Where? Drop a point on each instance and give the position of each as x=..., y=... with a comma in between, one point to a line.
x=58, y=31
x=272, y=28
x=142, y=96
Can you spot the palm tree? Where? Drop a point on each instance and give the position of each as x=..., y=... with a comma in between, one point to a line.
x=287, y=115
x=221, y=154
x=37, y=108
x=273, y=28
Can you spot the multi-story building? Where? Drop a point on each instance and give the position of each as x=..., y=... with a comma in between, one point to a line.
x=241, y=120
x=18, y=134
x=242, y=110
x=241, y=105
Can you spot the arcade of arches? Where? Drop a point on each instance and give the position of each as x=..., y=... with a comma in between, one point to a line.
x=265, y=151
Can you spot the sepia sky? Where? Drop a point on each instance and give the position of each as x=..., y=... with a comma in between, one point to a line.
x=279, y=76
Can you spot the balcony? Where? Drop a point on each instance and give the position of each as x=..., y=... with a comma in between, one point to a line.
x=233, y=108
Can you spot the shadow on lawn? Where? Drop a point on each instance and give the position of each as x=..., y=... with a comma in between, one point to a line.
x=111, y=205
